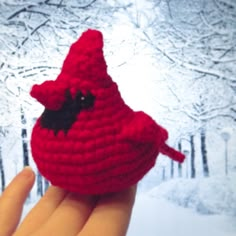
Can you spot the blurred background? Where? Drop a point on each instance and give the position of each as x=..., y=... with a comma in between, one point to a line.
x=173, y=59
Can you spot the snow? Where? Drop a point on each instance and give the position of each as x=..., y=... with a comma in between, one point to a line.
x=154, y=216
x=214, y=195
x=203, y=206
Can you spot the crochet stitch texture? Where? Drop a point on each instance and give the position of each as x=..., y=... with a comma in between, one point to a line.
x=88, y=140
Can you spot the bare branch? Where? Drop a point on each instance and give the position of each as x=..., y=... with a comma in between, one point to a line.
x=230, y=5
x=38, y=12
x=41, y=68
x=20, y=11
x=35, y=30
x=217, y=109
x=72, y=6
x=204, y=20
x=60, y=3
x=26, y=9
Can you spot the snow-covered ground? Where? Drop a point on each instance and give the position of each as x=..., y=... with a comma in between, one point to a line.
x=208, y=196
x=183, y=207
x=154, y=216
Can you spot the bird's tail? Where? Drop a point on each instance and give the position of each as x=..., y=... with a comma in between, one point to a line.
x=172, y=153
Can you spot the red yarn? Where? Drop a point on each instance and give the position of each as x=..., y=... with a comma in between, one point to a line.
x=109, y=147
x=50, y=94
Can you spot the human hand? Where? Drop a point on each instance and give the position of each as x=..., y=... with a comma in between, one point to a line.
x=62, y=213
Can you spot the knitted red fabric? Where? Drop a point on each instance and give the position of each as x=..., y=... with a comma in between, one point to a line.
x=88, y=140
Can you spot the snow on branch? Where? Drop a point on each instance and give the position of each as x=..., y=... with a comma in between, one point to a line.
x=227, y=7
x=72, y=6
x=27, y=9
x=34, y=31
x=200, y=69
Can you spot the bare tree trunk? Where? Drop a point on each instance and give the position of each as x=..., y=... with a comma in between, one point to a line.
x=171, y=169
x=179, y=164
x=46, y=185
x=24, y=139
x=2, y=174
x=39, y=184
x=204, y=153
x=163, y=173
x=192, y=163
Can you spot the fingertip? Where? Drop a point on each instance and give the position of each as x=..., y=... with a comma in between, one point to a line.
x=13, y=198
x=26, y=177
x=27, y=172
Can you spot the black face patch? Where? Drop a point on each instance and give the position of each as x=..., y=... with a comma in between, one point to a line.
x=63, y=118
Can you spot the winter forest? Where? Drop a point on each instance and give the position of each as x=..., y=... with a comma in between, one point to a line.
x=173, y=59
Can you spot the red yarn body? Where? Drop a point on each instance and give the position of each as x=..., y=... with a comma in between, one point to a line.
x=109, y=147
x=95, y=156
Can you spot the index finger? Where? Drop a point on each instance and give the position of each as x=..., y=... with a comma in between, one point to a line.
x=12, y=201
x=111, y=216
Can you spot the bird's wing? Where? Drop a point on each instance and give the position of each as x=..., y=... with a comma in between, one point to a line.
x=143, y=129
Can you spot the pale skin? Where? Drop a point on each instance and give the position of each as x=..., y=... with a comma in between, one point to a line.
x=62, y=213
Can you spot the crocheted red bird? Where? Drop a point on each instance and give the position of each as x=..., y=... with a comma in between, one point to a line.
x=88, y=140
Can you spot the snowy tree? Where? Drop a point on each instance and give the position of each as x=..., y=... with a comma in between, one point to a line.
x=24, y=137
x=35, y=37
x=192, y=151
x=2, y=172
x=194, y=51
x=3, y=133
x=39, y=180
